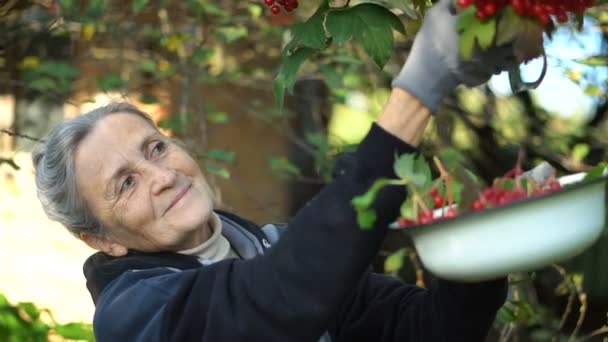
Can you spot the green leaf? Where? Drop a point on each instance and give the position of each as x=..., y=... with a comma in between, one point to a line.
x=317, y=139
x=404, y=165
x=255, y=10
x=232, y=33
x=66, y=6
x=394, y=262
x=111, y=82
x=147, y=65
x=506, y=315
x=286, y=77
x=43, y=84
x=422, y=169
x=340, y=24
x=594, y=90
x=473, y=31
x=196, y=7
x=283, y=165
x=486, y=33
x=364, y=201
x=218, y=170
x=370, y=24
x=219, y=154
x=278, y=91
x=509, y=26
x=407, y=209
x=580, y=151
x=176, y=122
x=3, y=299
x=139, y=5
x=597, y=60
x=202, y=55
x=217, y=117
x=311, y=32
x=366, y=218
x=332, y=78
x=95, y=9
x=466, y=18
x=596, y=172
x=148, y=99
x=75, y=331
x=30, y=309
x=60, y=70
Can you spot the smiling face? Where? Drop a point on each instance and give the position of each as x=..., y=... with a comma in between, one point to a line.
x=148, y=192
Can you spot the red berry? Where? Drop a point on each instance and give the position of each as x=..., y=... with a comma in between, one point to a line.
x=480, y=15
x=538, y=10
x=269, y=2
x=544, y=19
x=518, y=6
x=562, y=17
x=275, y=9
x=425, y=217
x=554, y=185
x=477, y=205
x=406, y=221
x=489, y=9
x=464, y=3
x=438, y=201
x=451, y=213
x=434, y=192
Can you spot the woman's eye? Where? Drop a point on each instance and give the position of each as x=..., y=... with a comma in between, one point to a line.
x=158, y=149
x=127, y=183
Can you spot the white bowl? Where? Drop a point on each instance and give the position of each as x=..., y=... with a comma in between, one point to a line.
x=520, y=236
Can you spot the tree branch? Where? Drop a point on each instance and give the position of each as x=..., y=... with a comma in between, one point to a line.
x=19, y=135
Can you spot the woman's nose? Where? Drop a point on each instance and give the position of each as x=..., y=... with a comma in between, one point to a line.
x=162, y=178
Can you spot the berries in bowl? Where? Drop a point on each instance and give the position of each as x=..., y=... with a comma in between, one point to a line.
x=523, y=221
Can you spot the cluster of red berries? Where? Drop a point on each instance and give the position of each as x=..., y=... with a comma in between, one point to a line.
x=275, y=5
x=541, y=10
x=489, y=197
x=495, y=196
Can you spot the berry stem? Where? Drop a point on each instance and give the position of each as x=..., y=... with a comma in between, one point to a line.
x=446, y=177
x=418, y=201
x=518, y=169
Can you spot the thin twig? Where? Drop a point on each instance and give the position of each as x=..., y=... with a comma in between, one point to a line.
x=571, y=297
x=506, y=332
x=582, y=297
x=417, y=267
x=594, y=333
x=20, y=135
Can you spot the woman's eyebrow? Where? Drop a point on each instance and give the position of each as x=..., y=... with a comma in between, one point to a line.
x=126, y=165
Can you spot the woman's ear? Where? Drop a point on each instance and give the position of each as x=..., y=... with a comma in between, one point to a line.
x=104, y=244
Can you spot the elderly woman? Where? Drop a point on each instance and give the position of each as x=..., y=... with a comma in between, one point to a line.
x=170, y=267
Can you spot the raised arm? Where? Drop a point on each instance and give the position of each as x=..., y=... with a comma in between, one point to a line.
x=295, y=291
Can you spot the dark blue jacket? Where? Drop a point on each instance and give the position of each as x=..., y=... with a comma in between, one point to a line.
x=313, y=281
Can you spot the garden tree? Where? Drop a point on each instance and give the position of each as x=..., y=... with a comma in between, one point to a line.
x=190, y=56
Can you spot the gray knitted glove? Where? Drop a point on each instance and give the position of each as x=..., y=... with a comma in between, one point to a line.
x=434, y=67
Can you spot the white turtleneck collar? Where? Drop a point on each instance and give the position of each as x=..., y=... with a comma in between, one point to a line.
x=216, y=248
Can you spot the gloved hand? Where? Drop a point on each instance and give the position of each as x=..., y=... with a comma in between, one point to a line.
x=434, y=67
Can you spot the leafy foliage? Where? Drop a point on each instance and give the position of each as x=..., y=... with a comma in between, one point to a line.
x=26, y=322
x=370, y=25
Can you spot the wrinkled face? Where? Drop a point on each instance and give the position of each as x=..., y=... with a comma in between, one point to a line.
x=148, y=192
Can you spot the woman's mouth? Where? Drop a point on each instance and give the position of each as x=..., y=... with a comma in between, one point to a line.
x=179, y=197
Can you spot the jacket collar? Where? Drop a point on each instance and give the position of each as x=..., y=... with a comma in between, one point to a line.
x=100, y=269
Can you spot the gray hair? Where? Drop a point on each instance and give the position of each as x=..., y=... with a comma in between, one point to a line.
x=55, y=174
